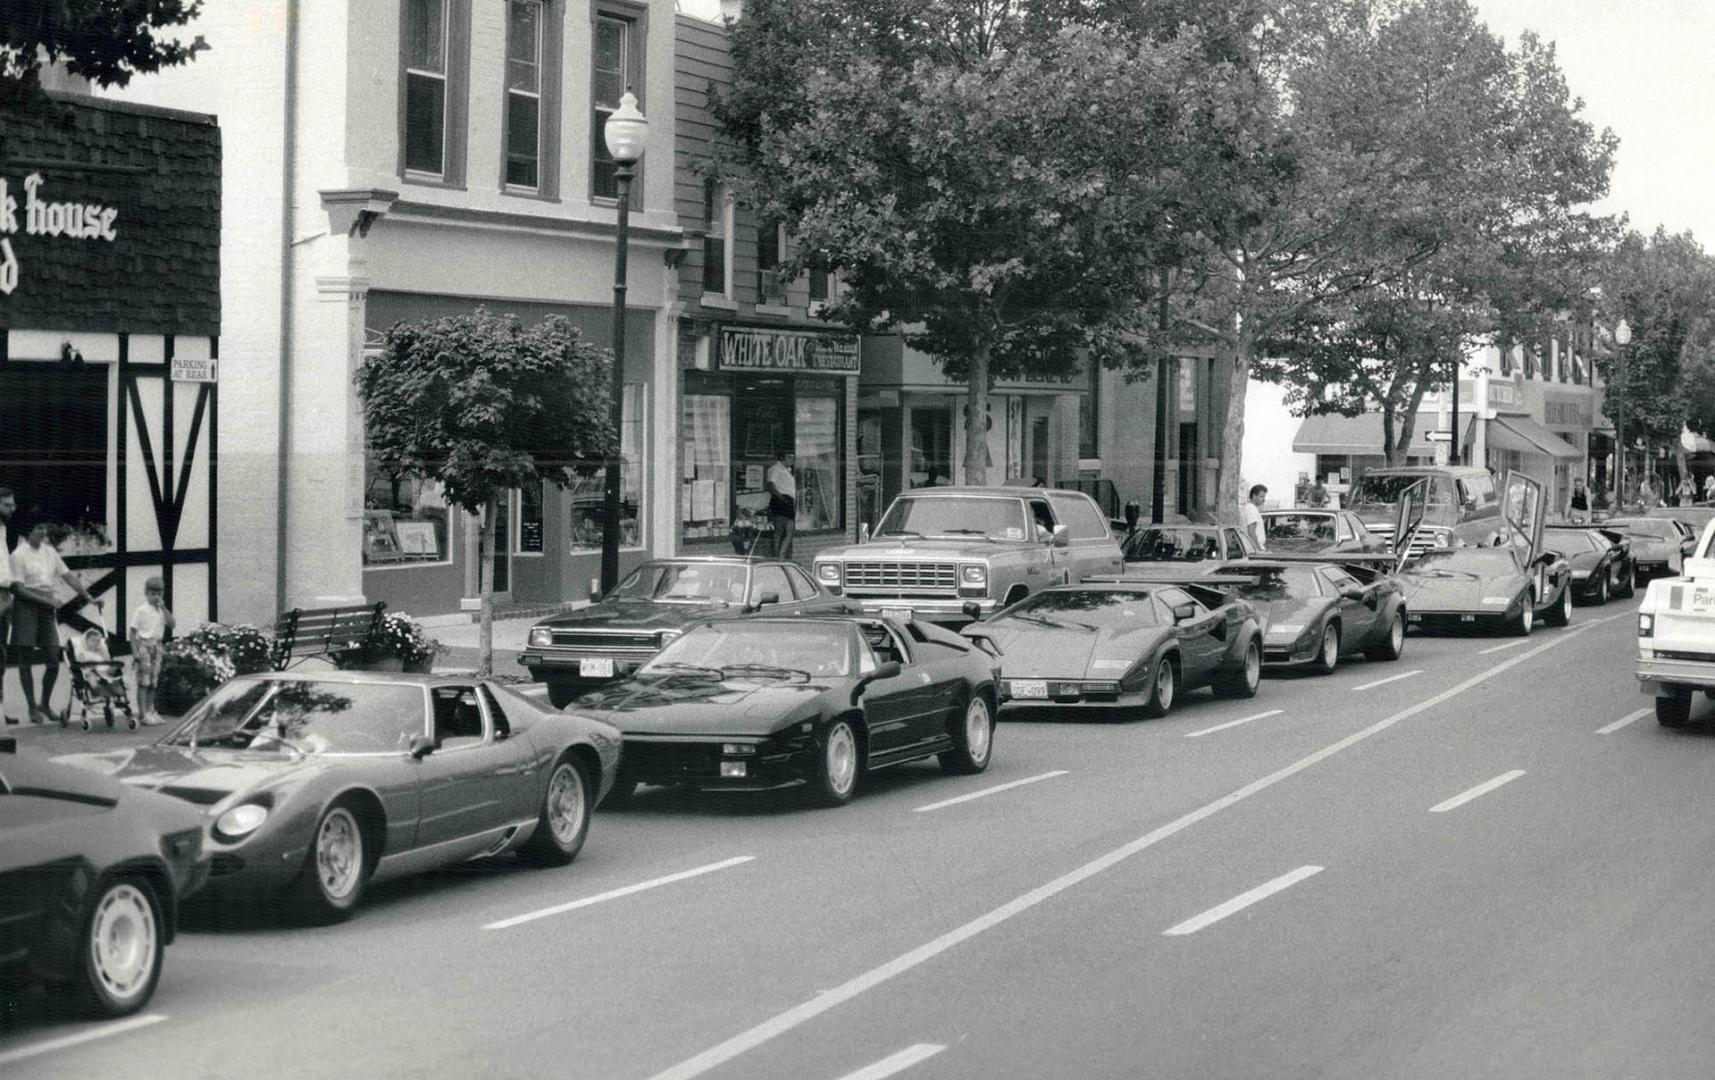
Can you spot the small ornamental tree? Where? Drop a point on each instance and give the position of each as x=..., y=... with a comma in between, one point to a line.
x=105, y=41
x=482, y=404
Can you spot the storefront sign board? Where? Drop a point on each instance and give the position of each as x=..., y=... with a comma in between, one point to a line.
x=758, y=349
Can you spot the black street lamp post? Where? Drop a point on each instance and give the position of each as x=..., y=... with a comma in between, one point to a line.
x=625, y=133
x=1622, y=338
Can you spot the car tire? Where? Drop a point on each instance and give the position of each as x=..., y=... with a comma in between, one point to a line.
x=973, y=739
x=1524, y=622
x=565, y=817
x=1673, y=710
x=1601, y=590
x=1561, y=613
x=1163, y=685
x=330, y=885
x=119, y=952
x=1328, y=653
x=839, y=764
x=1243, y=682
x=1393, y=646
x=561, y=694
x=1631, y=584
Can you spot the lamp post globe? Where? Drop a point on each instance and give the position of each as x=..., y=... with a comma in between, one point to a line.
x=1623, y=333
x=626, y=134
x=1622, y=338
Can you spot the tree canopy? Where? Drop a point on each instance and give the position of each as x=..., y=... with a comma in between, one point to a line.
x=105, y=41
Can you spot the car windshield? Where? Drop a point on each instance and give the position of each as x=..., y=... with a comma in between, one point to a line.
x=305, y=715
x=1292, y=583
x=1172, y=544
x=1385, y=490
x=819, y=650
x=1302, y=530
x=1647, y=528
x=701, y=583
x=1480, y=562
x=1087, y=609
x=997, y=518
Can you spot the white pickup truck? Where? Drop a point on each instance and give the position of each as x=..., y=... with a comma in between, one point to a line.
x=1676, y=635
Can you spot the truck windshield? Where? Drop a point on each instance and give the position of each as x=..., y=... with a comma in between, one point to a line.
x=1385, y=490
x=998, y=518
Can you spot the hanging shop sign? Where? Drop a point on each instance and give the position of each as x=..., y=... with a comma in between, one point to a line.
x=756, y=349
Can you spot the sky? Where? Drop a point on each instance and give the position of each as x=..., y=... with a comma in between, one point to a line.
x=1642, y=68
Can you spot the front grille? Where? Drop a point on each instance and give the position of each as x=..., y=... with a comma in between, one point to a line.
x=673, y=761
x=1681, y=654
x=606, y=639
x=915, y=578
x=1425, y=540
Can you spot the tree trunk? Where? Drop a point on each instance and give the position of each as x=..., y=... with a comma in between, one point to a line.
x=1390, y=425
x=1230, y=492
x=485, y=587
x=976, y=418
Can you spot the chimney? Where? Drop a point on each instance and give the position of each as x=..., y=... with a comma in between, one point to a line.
x=732, y=10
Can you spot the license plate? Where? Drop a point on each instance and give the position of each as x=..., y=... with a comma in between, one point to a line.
x=903, y=614
x=596, y=669
x=1030, y=688
x=1467, y=618
x=1702, y=601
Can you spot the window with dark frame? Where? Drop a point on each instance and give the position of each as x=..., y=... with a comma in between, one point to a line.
x=1090, y=412
x=524, y=94
x=819, y=275
x=426, y=86
x=714, y=238
x=769, y=241
x=612, y=70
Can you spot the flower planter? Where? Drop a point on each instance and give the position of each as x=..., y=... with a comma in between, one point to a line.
x=424, y=666
x=385, y=663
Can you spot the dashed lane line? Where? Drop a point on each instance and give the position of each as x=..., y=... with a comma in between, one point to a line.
x=1234, y=723
x=1475, y=793
x=48, y=1046
x=1384, y=682
x=1241, y=901
x=990, y=791
x=614, y=894
x=894, y=1064
x=1624, y=721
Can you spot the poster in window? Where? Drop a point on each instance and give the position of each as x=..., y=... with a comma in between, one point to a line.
x=530, y=521
x=380, y=537
x=417, y=539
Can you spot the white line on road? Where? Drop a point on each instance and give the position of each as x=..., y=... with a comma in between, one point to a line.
x=1632, y=718
x=990, y=791
x=1234, y=723
x=48, y=1046
x=1503, y=648
x=614, y=894
x=1480, y=790
x=896, y=1063
x=803, y=1013
x=1384, y=682
x=1241, y=901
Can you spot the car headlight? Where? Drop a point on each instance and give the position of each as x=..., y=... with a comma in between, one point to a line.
x=241, y=821
x=1497, y=600
x=828, y=573
x=1646, y=624
x=1284, y=630
x=541, y=637
x=974, y=574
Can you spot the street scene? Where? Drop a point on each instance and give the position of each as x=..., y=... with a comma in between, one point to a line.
x=855, y=538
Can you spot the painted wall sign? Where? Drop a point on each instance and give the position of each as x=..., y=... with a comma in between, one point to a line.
x=198, y=371
x=756, y=349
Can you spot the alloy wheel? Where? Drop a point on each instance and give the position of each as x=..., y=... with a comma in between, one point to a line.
x=1164, y=684
x=841, y=758
x=977, y=730
x=339, y=854
x=566, y=803
x=122, y=941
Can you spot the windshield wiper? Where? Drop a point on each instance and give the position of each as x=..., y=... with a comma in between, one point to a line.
x=1037, y=619
x=764, y=669
x=968, y=532
x=686, y=669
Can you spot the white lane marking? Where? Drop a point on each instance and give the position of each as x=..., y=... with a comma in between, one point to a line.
x=1384, y=682
x=895, y=1063
x=1241, y=901
x=990, y=791
x=803, y=1013
x=1504, y=648
x=1631, y=718
x=1481, y=789
x=1234, y=723
x=48, y=1046
x=614, y=894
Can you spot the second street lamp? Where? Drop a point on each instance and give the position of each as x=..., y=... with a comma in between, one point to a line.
x=1622, y=338
x=625, y=133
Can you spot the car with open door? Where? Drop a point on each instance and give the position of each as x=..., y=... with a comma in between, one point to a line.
x=1506, y=579
x=1313, y=531
x=1601, y=561
x=1125, y=645
x=1315, y=611
x=813, y=702
x=1457, y=503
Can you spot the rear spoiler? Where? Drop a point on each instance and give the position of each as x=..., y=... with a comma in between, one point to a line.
x=1207, y=589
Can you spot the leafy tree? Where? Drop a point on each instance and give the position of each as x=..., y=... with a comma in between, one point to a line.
x=482, y=405
x=105, y=41
x=995, y=178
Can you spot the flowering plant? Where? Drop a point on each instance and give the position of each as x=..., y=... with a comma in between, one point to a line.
x=398, y=636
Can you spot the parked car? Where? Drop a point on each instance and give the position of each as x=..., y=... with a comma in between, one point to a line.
x=1315, y=612
x=814, y=701
x=1509, y=583
x=1676, y=636
x=316, y=785
x=1601, y=561
x=91, y=876
x=1659, y=544
x=578, y=651
x=1188, y=550
x=1124, y=644
x=939, y=549
x=1458, y=503
x=1320, y=532
x=1694, y=518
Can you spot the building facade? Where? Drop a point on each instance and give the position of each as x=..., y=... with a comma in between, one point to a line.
x=1155, y=438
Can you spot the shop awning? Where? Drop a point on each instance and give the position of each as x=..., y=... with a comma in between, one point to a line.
x=1362, y=434
x=1526, y=436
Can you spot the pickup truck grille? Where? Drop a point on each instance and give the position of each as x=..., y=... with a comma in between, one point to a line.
x=1425, y=540
x=904, y=578
x=606, y=639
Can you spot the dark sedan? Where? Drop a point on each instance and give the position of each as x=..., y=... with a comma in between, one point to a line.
x=1601, y=561
x=754, y=704
x=1314, y=613
x=91, y=875
x=578, y=651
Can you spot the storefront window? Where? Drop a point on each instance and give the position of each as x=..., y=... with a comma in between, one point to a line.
x=588, y=494
x=53, y=447
x=931, y=447
x=705, y=464
x=821, y=504
x=762, y=432
x=404, y=518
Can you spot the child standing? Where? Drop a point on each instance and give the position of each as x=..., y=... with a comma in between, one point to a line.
x=149, y=625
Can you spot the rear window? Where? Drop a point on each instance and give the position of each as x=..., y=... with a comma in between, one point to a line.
x=1478, y=491
x=1079, y=515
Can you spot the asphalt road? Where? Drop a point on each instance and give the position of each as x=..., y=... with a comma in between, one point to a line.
x=1453, y=865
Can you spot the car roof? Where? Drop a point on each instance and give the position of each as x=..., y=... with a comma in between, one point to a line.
x=722, y=560
x=373, y=678
x=968, y=490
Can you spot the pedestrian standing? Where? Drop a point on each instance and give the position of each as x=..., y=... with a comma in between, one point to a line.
x=1578, y=503
x=1252, y=516
x=150, y=625
x=8, y=506
x=782, y=505
x=1687, y=490
x=1318, y=496
x=36, y=570
x=1709, y=488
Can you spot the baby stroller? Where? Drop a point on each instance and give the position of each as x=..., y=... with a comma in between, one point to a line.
x=97, y=682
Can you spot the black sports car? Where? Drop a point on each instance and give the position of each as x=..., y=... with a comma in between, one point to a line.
x=91, y=875
x=1315, y=612
x=767, y=702
x=581, y=650
x=1601, y=561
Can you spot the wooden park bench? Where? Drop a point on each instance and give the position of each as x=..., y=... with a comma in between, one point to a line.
x=304, y=633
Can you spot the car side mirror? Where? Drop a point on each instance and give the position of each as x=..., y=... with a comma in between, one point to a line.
x=889, y=669
x=1183, y=612
x=972, y=610
x=1352, y=594
x=763, y=600
x=421, y=747
x=1062, y=536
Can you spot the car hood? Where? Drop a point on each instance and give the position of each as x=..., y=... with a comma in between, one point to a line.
x=1583, y=562
x=1031, y=652
x=1293, y=611
x=635, y=615
x=1461, y=593
x=908, y=549
x=694, y=705
x=203, y=776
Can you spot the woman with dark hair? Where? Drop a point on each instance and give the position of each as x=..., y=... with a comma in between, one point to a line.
x=37, y=569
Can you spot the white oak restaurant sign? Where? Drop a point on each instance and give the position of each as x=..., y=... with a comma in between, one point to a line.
x=39, y=216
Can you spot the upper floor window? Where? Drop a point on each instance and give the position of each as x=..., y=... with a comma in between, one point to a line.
x=426, y=86
x=717, y=238
x=524, y=94
x=770, y=250
x=617, y=66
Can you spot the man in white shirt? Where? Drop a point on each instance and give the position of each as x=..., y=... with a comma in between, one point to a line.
x=36, y=571
x=1252, y=517
x=782, y=506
